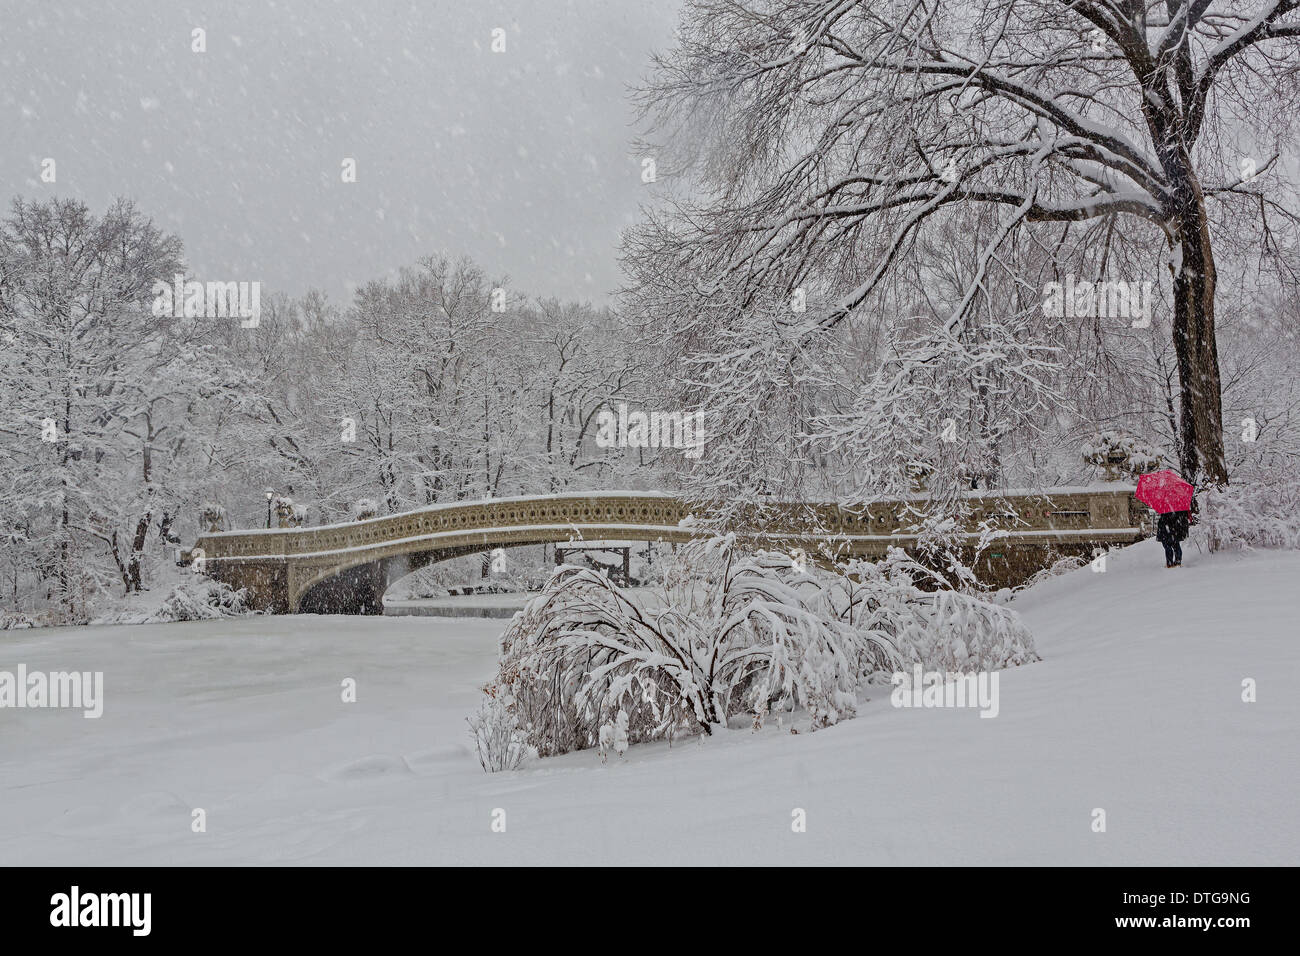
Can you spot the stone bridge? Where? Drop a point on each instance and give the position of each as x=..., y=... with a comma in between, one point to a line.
x=345, y=568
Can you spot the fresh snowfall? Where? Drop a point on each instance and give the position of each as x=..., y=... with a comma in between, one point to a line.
x=1136, y=709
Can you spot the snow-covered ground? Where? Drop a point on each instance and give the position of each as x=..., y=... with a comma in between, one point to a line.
x=1135, y=709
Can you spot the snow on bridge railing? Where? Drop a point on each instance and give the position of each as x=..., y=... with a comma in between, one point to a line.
x=1105, y=509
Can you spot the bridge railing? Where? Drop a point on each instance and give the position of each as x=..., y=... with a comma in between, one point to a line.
x=1065, y=512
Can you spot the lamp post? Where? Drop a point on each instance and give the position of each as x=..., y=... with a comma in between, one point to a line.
x=270, y=493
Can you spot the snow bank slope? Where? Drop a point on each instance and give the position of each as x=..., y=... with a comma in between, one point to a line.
x=1135, y=709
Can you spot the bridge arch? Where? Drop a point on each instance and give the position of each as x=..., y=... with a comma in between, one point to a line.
x=357, y=586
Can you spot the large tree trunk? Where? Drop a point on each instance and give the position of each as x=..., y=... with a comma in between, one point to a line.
x=137, y=552
x=142, y=524
x=1200, y=452
x=121, y=567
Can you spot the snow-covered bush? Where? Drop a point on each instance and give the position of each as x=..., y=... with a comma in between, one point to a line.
x=1062, y=565
x=732, y=634
x=526, y=570
x=499, y=742
x=198, y=599
x=955, y=632
x=15, y=620
x=363, y=509
x=288, y=513
x=1120, y=455
x=613, y=736
x=942, y=629
x=1251, y=514
x=212, y=517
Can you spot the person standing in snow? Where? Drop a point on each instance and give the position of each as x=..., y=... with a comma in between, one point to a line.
x=1170, y=530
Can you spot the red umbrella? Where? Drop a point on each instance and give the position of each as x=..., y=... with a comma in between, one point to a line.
x=1164, y=491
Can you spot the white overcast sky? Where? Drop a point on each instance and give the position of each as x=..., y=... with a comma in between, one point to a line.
x=522, y=160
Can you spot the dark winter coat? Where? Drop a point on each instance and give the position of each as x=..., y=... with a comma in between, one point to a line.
x=1172, y=527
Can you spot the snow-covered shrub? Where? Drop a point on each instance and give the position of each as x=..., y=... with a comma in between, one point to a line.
x=1120, y=455
x=212, y=517
x=14, y=620
x=942, y=629
x=732, y=634
x=288, y=513
x=957, y=632
x=198, y=599
x=1062, y=565
x=518, y=569
x=1251, y=514
x=364, y=508
x=613, y=736
x=499, y=742
x=526, y=570
x=48, y=616
x=203, y=599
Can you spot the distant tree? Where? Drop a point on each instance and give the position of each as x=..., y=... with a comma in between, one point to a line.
x=92, y=382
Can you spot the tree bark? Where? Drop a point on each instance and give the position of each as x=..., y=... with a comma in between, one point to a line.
x=121, y=567
x=1201, y=454
x=137, y=551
